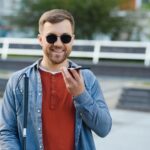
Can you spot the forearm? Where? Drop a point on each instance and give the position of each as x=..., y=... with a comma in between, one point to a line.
x=95, y=115
x=8, y=140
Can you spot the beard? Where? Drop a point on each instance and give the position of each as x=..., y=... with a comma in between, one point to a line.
x=57, y=55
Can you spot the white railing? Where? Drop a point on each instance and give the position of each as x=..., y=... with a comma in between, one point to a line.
x=96, y=49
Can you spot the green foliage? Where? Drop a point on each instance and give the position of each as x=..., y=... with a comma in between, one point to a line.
x=91, y=16
x=146, y=6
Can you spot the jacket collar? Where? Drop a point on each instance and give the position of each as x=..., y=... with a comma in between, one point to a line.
x=71, y=64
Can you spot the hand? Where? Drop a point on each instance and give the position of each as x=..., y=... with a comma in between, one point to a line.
x=74, y=81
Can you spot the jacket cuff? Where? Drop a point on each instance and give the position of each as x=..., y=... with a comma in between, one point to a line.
x=82, y=99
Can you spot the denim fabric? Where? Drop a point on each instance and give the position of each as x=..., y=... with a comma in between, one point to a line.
x=91, y=112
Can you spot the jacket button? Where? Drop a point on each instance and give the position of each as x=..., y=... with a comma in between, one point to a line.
x=39, y=129
x=40, y=146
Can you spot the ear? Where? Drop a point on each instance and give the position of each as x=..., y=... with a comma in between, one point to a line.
x=40, y=39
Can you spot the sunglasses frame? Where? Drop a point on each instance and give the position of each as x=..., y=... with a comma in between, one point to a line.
x=55, y=38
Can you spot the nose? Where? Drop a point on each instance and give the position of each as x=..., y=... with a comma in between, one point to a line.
x=58, y=42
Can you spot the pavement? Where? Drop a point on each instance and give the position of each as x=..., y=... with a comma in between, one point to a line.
x=130, y=130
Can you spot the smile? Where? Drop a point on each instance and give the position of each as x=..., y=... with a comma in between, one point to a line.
x=57, y=50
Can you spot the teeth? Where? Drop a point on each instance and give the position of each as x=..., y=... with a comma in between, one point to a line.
x=58, y=51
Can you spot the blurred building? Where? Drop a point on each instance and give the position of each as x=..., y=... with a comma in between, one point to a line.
x=8, y=7
x=131, y=5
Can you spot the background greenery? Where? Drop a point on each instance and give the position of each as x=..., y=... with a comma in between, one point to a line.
x=93, y=17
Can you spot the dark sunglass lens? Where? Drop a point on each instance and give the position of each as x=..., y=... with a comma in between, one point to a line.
x=65, y=38
x=52, y=38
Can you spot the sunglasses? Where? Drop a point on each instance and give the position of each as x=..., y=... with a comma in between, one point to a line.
x=52, y=38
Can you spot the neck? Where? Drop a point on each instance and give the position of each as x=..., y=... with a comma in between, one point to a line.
x=49, y=66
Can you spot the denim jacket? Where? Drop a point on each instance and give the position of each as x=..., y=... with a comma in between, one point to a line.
x=91, y=112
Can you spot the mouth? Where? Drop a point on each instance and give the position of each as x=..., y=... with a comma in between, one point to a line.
x=58, y=50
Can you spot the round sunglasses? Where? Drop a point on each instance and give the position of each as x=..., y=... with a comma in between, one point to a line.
x=52, y=38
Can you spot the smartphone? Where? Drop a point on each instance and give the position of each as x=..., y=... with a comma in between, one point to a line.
x=77, y=69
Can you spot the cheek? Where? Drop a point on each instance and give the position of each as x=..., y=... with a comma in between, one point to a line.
x=45, y=45
x=69, y=48
x=47, y=48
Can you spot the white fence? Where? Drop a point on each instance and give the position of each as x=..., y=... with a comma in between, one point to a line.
x=82, y=49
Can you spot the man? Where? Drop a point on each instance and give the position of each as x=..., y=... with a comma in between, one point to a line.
x=64, y=104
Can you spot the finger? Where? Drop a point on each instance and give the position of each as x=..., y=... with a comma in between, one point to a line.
x=67, y=76
x=68, y=79
x=76, y=74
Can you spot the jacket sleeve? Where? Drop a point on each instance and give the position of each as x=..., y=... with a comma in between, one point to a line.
x=8, y=121
x=93, y=109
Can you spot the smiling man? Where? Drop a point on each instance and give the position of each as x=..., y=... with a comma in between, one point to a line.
x=65, y=104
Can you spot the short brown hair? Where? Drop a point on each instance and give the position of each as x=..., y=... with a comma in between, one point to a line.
x=56, y=16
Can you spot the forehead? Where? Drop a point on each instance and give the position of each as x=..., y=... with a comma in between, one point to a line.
x=57, y=28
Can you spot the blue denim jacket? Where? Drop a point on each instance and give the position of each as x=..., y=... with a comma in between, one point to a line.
x=91, y=112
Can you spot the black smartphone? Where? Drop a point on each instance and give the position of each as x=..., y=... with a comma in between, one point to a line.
x=77, y=69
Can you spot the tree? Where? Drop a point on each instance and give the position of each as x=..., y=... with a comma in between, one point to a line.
x=91, y=16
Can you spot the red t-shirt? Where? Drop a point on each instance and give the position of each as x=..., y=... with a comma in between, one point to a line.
x=58, y=113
